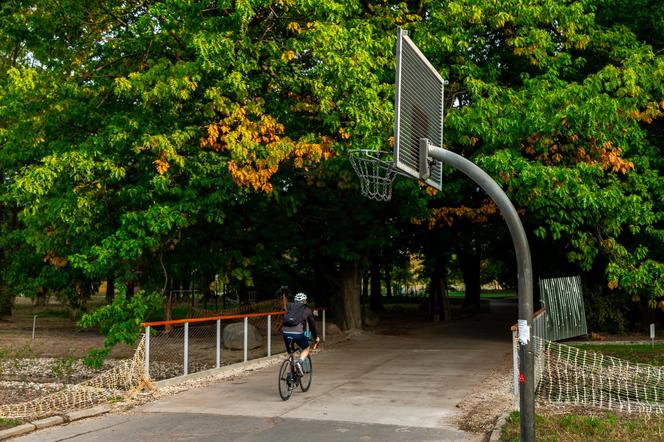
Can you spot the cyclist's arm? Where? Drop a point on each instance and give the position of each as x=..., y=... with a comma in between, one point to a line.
x=312, y=325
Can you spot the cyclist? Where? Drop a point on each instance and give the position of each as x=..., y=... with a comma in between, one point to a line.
x=303, y=314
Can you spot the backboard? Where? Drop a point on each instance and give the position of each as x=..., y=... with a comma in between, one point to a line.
x=418, y=113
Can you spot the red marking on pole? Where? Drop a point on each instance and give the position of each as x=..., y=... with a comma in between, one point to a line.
x=522, y=378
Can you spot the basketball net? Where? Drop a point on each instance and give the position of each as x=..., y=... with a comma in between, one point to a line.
x=376, y=171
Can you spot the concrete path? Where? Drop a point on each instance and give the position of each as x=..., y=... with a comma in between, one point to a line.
x=402, y=382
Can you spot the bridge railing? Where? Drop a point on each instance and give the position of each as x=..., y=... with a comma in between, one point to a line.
x=184, y=346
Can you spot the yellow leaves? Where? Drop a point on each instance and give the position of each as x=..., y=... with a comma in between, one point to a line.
x=257, y=146
x=288, y=56
x=294, y=27
x=161, y=166
x=56, y=261
x=344, y=134
x=609, y=158
x=650, y=113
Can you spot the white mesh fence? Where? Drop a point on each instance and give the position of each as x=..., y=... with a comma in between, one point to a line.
x=125, y=378
x=575, y=376
x=570, y=375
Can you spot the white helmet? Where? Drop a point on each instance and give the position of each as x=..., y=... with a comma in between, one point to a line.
x=301, y=297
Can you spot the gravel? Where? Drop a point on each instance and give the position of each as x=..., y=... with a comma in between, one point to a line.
x=489, y=400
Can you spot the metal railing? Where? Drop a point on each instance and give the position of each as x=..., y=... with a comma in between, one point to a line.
x=184, y=346
x=563, y=300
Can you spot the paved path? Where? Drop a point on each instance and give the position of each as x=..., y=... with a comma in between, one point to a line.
x=402, y=383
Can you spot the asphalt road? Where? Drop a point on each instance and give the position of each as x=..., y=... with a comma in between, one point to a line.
x=403, y=382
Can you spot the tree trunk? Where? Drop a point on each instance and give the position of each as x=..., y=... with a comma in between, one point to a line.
x=110, y=289
x=376, y=301
x=435, y=292
x=348, y=302
x=447, y=313
x=6, y=300
x=168, y=311
x=469, y=261
x=388, y=280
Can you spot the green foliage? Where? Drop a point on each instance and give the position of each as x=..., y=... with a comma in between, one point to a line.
x=605, y=313
x=120, y=321
x=161, y=142
x=63, y=369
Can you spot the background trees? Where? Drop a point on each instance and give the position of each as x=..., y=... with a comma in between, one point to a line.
x=156, y=143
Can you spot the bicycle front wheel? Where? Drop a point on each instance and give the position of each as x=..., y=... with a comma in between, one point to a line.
x=308, y=369
x=286, y=381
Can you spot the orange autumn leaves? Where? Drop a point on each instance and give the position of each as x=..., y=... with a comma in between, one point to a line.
x=550, y=151
x=447, y=215
x=257, y=146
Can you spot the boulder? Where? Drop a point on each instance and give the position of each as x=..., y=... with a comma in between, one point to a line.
x=369, y=317
x=330, y=328
x=233, y=336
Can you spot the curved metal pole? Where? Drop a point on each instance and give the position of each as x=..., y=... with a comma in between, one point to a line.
x=525, y=275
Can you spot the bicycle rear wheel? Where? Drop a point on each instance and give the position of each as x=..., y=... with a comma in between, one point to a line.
x=286, y=380
x=305, y=382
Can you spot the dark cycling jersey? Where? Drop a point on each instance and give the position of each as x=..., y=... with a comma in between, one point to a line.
x=299, y=329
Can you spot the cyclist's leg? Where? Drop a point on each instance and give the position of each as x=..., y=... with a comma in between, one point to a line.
x=303, y=343
x=288, y=342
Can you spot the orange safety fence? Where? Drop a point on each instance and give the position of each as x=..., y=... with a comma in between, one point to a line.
x=184, y=346
x=220, y=318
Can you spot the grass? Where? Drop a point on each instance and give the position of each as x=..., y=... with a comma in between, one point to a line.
x=639, y=353
x=9, y=423
x=497, y=294
x=601, y=427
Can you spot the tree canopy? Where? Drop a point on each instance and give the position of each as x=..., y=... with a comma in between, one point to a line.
x=143, y=141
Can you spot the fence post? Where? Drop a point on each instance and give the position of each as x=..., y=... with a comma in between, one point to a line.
x=323, y=325
x=269, y=335
x=186, y=348
x=34, y=325
x=218, y=359
x=146, y=358
x=246, y=338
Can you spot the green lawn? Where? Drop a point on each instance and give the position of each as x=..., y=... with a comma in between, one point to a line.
x=640, y=353
x=601, y=428
x=9, y=423
x=498, y=294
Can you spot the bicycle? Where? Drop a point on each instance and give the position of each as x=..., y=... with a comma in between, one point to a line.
x=289, y=377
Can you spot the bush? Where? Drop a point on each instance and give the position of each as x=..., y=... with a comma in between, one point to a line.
x=605, y=312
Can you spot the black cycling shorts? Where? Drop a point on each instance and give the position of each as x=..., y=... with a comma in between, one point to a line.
x=299, y=338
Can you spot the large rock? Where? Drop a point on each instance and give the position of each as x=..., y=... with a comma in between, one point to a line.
x=369, y=317
x=233, y=336
x=330, y=328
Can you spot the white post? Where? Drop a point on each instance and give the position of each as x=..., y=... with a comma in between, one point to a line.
x=146, y=358
x=34, y=325
x=269, y=335
x=652, y=334
x=186, y=348
x=246, y=337
x=218, y=343
x=323, y=325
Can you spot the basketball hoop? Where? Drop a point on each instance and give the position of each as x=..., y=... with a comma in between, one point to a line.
x=376, y=171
